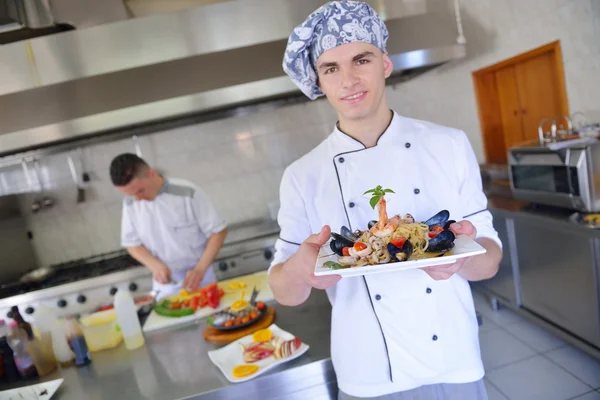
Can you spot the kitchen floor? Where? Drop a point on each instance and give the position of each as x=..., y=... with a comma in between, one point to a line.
x=524, y=362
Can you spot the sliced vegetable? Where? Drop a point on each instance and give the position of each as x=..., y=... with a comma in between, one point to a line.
x=263, y=335
x=241, y=371
x=358, y=246
x=332, y=265
x=167, y=312
x=398, y=242
x=346, y=251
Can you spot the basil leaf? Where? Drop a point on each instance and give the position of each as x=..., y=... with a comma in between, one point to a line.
x=369, y=191
x=389, y=191
x=374, y=200
x=332, y=265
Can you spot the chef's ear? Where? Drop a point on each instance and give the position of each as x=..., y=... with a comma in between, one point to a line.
x=388, y=66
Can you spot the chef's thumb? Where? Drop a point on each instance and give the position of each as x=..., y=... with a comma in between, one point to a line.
x=320, y=238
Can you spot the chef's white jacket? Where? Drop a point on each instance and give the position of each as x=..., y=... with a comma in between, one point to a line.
x=174, y=227
x=393, y=331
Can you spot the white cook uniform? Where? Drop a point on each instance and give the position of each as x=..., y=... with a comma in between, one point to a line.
x=174, y=227
x=394, y=331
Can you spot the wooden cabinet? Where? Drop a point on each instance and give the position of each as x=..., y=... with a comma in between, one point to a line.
x=515, y=95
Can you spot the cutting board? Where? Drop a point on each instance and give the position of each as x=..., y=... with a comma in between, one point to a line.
x=259, y=280
x=215, y=335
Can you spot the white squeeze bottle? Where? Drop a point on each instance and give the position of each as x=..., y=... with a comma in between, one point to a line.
x=128, y=320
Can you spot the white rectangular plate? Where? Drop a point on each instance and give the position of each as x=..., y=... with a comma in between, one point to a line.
x=226, y=358
x=463, y=247
x=40, y=391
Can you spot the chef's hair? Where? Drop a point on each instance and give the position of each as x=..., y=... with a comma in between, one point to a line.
x=125, y=167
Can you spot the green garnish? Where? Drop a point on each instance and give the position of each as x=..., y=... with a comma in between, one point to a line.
x=332, y=265
x=377, y=195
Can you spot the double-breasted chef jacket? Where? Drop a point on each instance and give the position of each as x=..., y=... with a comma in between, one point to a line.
x=392, y=331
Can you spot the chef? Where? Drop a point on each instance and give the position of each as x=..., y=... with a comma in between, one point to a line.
x=169, y=225
x=397, y=335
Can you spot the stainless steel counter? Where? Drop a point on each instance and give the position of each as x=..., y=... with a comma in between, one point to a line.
x=174, y=365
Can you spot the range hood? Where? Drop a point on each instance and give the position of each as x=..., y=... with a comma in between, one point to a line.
x=126, y=65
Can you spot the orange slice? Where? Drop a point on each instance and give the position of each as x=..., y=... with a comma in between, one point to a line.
x=242, y=371
x=263, y=335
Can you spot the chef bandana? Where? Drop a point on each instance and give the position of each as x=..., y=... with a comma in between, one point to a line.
x=333, y=24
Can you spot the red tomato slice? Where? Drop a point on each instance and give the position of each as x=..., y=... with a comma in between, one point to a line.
x=358, y=246
x=346, y=251
x=398, y=242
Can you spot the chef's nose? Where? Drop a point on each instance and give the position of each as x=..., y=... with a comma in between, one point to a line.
x=349, y=77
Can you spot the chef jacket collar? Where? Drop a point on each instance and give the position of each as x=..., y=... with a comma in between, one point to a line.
x=345, y=143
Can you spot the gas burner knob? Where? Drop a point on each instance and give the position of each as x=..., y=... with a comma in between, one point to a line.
x=223, y=266
x=81, y=299
x=113, y=291
x=133, y=286
x=29, y=310
x=268, y=254
x=62, y=303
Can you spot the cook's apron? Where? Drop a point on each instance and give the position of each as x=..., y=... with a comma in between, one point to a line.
x=170, y=289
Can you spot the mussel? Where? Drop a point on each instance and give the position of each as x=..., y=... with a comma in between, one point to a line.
x=338, y=243
x=347, y=233
x=400, y=254
x=441, y=242
x=439, y=219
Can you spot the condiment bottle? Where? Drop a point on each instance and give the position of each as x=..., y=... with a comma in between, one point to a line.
x=17, y=341
x=26, y=326
x=128, y=319
x=78, y=343
x=62, y=350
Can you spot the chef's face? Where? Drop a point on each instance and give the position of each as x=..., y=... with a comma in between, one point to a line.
x=352, y=76
x=145, y=186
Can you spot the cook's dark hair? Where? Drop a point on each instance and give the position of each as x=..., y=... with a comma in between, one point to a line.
x=125, y=167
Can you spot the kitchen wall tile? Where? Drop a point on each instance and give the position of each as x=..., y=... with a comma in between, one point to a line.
x=537, y=379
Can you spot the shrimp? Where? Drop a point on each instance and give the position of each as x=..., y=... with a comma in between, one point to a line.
x=383, y=227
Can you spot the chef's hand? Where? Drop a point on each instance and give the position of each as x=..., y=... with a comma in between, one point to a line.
x=161, y=274
x=445, y=271
x=193, y=279
x=301, y=266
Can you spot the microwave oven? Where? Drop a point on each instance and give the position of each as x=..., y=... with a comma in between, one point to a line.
x=563, y=176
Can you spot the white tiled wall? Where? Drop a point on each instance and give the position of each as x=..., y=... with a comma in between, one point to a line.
x=239, y=161
x=500, y=29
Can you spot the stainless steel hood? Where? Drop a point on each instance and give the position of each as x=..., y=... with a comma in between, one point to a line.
x=117, y=70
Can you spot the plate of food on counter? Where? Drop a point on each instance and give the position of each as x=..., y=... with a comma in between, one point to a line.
x=239, y=315
x=254, y=354
x=393, y=244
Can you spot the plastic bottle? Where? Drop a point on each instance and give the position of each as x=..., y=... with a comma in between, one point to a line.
x=17, y=341
x=43, y=364
x=62, y=351
x=26, y=326
x=78, y=343
x=128, y=320
x=8, y=368
x=43, y=324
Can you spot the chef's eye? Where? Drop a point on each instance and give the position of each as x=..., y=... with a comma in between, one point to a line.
x=330, y=70
x=362, y=61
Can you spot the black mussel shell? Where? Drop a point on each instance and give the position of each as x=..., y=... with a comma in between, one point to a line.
x=450, y=222
x=400, y=254
x=347, y=233
x=438, y=219
x=372, y=224
x=442, y=242
x=338, y=243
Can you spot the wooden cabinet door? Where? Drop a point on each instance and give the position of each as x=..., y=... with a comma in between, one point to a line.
x=510, y=107
x=538, y=89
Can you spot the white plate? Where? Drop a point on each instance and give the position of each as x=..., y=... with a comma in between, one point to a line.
x=33, y=392
x=228, y=357
x=463, y=247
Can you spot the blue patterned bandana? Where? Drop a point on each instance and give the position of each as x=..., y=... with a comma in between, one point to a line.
x=333, y=24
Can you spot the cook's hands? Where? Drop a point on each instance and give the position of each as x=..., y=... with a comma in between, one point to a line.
x=193, y=279
x=445, y=271
x=161, y=274
x=301, y=266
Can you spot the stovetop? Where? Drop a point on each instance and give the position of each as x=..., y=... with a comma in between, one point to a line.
x=73, y=271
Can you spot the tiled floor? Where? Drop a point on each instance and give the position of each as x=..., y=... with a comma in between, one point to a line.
x=524, y=362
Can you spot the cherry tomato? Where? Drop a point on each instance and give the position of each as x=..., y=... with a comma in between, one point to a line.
x=358, y=246
x=346, y=251
x=194, y=303
x=398, y=242
x=260, y=305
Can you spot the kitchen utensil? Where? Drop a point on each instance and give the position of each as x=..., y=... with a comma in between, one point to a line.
x=80, y=190
x=36, y=204
x=101, y=330
x=38, y=275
